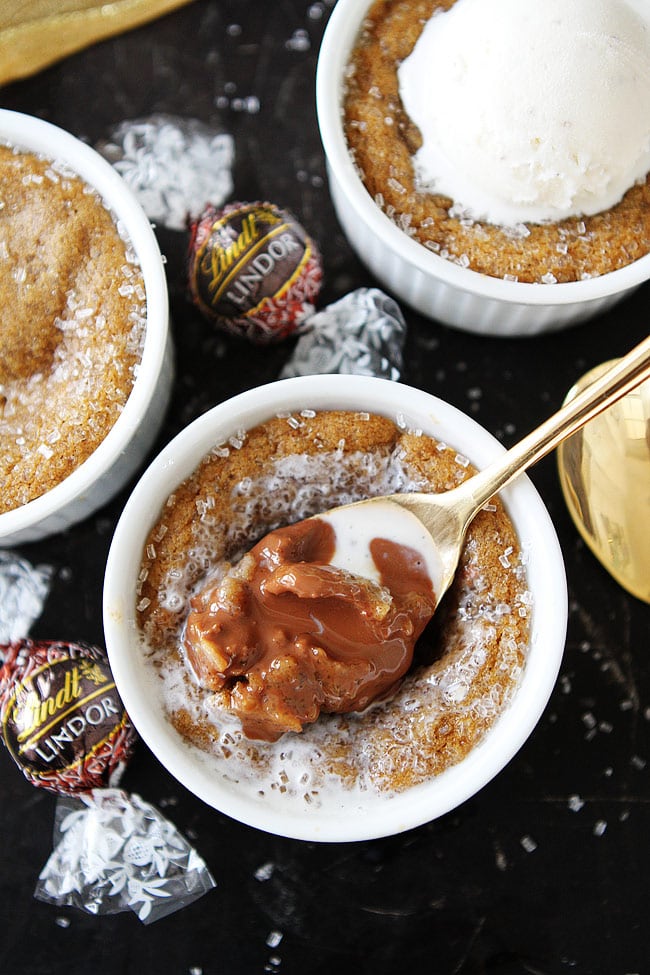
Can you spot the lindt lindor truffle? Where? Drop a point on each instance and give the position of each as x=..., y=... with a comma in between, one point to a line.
x=62, y=719
x=254, y=270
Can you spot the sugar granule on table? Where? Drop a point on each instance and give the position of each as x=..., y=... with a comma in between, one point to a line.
x=575, y=803
x=528, y=843
x=265, y=872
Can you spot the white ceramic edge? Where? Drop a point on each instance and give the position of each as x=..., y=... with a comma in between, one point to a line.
x=95, y=481
x=180, y=458
x=436, y=287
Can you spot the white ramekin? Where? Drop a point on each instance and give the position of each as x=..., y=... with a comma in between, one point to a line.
x=119, y=455
x=437, y=288
x=340, y=820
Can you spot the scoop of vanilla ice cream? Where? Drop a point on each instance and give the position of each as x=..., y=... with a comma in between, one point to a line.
x=531, y=110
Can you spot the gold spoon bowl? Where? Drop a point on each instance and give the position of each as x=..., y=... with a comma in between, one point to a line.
x=605, y=477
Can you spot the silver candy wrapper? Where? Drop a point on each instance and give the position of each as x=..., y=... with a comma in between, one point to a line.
x=173, y=165
x=113, y=852
x=23, y=591
x=362, y=334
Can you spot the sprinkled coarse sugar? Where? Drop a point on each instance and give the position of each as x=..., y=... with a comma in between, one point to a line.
x=299, y=41
x=444, y=706
x=396, y=185
x=264, y=872
x=71, y=338
x=575, y=803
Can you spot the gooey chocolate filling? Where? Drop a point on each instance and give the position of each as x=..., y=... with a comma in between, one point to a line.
x=286, y=635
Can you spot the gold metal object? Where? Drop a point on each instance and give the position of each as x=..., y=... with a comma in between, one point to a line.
x=36, y=34
x=447, y=516
x=605, y=476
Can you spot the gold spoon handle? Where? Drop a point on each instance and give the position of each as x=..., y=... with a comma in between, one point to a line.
x=622, y=377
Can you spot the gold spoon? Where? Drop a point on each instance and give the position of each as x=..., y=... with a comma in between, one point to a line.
x=446, y=516
x=605, y=477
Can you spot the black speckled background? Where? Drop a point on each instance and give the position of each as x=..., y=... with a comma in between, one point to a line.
x=523, y=879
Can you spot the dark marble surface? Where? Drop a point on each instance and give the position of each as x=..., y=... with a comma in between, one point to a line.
x=518, y=879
